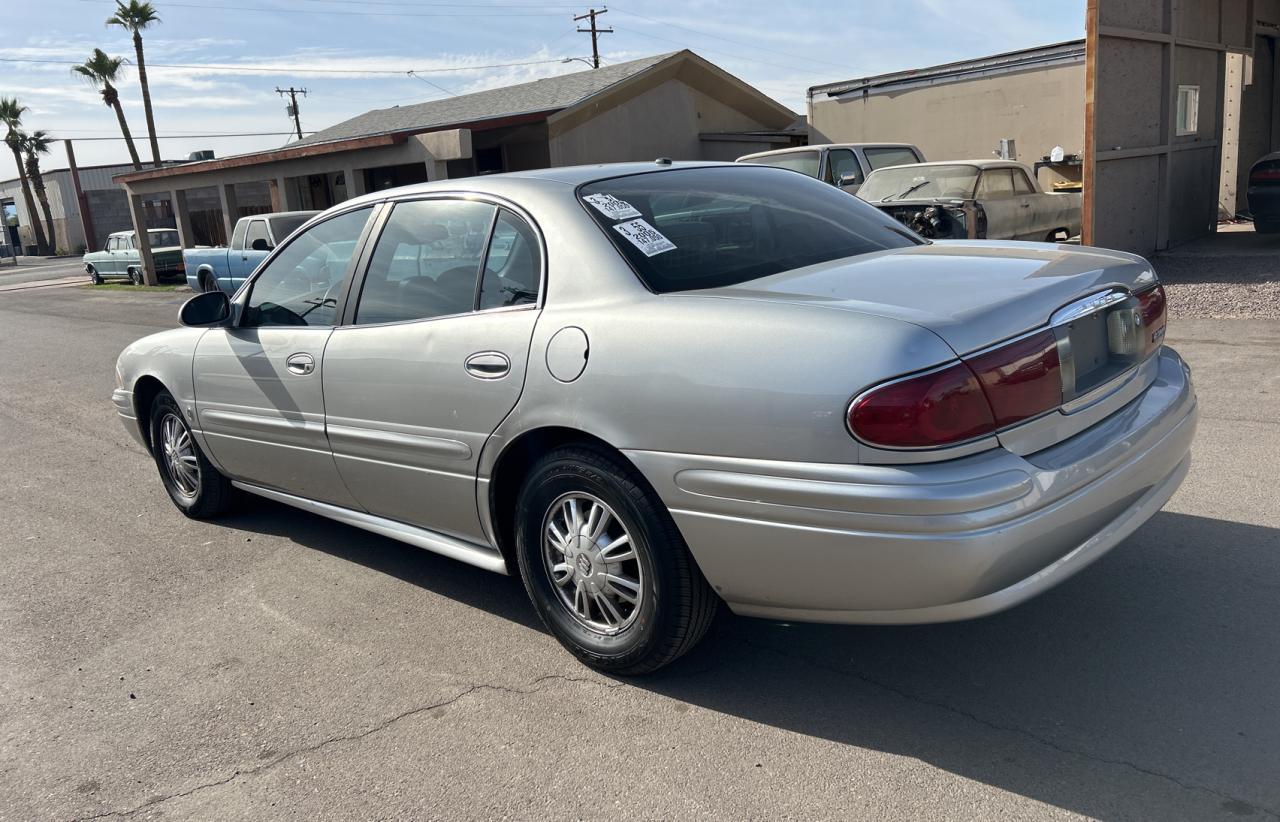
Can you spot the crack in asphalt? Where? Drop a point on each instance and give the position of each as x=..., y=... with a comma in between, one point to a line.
x=531, y=688
x=1032, y=735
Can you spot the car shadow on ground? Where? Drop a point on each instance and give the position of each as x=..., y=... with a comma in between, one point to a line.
x=1146, y=686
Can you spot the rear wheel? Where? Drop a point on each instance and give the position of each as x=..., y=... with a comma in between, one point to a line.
x=195, y=486
x=135, y=276
x=94, y=276
x=207, y=283
x=605, y=566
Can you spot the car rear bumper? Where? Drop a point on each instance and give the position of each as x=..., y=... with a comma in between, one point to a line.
x=933, y=542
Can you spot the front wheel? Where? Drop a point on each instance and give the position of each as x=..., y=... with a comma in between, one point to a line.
x=605, y=566
x=135, y=276
x=94, y=276
x=198, y=489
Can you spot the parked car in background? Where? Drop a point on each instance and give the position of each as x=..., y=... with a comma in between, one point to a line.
x=225, y=268
x=120, y=257
x=844, y=165
x=1264, y=194
x=973, y=199
x=647, y=388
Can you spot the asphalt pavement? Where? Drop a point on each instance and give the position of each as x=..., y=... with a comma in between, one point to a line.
x=277, y=665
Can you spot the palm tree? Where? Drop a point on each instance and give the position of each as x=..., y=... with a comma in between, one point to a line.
x=33, y=145
x=135, y=17
x=11, y=112
x=100, y=71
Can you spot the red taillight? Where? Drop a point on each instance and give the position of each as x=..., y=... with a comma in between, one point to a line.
x=938, y=408
x=1155, y=315
x=1269, y=174
x=972, y=398
x=1022, y=379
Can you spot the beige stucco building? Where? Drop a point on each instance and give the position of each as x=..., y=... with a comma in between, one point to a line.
x=961, y=111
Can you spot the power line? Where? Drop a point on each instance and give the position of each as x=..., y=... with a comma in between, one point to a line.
x=595, y=33
x=238, y=67
x=433, y=85
x=197, y=136
x=355, y=13
x=726, y=39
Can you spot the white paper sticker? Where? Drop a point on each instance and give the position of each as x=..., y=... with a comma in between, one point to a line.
x=645, y=237
x=611, y=207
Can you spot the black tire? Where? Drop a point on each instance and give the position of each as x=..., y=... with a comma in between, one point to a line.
x=675, y=605
x=210, y=493
x=207, y=282
x=94, y=276
x=135, y=276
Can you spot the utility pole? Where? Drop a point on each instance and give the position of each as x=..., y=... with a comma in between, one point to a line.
x=595, y=34
x=292, y=108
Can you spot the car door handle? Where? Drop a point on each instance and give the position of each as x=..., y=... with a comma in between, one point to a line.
x=1026, y=205
x=302, y=364
x=488, y=365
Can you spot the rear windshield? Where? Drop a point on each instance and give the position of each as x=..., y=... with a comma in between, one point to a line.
x=163, y=239
x=805, y=162
x=282, y=227
x=697, y=228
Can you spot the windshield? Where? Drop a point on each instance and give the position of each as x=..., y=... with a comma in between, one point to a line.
x=805, y=162
x=163, y=239
x=282, y=227
x=919, y=183
x=687, y=229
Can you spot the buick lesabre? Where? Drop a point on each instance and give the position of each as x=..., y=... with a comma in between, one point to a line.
x=649, y=389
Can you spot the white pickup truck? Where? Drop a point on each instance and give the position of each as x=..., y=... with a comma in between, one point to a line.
x=973, y=199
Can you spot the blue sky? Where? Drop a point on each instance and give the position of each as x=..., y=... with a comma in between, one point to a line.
x=782, y=48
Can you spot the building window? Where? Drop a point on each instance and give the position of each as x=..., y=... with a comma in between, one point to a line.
x=1188, y=110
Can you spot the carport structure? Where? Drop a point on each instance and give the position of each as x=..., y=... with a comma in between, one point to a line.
x=675, y=105
x=1180, y=99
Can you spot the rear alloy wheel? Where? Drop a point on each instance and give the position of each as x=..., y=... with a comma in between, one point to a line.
x=605, y=566
x=94, y=276
x=195, y=486
x=135, y=276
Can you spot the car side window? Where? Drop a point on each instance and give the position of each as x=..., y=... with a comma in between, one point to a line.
x=256, y=238
x=842, y=161
x=111, y=244
x=426, y=262
x=996, y=184
x=512, y=273
x=237, y=235
x=301, y=285
x=1021, y=185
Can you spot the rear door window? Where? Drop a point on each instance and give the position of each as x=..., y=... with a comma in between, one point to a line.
x=1021, y=185
x=512, y=268
x=427, y=261
x=995, y=184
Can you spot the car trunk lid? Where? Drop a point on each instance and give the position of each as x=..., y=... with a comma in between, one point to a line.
x=972, y=294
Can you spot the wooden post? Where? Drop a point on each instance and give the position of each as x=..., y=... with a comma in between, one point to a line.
x=142, y=239
x=82, y=201
x=230, y=208
x=181, y=216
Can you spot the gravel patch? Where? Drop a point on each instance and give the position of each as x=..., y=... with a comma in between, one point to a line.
x=1222, y=287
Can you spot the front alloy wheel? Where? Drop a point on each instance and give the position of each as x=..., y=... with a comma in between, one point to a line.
x=193, y=483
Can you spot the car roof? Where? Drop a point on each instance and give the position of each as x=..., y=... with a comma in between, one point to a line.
x=272, y=215
x=980, y=164
x=512, y=181
x=815, y=146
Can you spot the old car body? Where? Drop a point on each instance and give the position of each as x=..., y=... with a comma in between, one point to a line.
x=841, y=421
x=979, y=199
x=120, y=257
x=1264, y=193
x=226, y=268
x=844, y=165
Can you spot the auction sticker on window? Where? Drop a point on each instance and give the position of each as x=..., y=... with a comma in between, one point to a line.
x=645, y=237
x=611, y=207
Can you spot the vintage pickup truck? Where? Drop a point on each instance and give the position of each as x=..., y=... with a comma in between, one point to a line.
x=120, y=257
x=844, y=165
x=973, y=199
x=209, y=269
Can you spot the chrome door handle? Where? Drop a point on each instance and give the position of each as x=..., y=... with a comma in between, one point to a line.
x=300, y=364
x=488, y=365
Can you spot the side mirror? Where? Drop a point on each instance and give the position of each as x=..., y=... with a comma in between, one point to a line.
x=260, y=245
x=209, y=308
x=848, y=179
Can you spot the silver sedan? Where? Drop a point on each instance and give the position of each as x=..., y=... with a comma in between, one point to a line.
x=652, y=388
